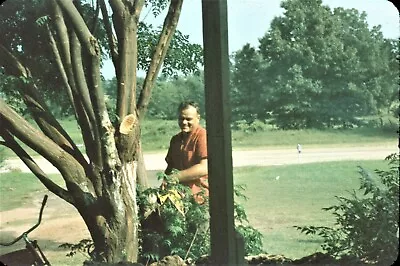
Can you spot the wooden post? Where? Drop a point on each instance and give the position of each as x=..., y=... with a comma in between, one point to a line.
x=224, y=245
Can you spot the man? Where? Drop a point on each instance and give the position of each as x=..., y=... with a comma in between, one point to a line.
x=187, y=152
x=299, y=148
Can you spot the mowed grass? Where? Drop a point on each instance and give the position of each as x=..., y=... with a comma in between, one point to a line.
x=17, y=188
x=280, y=197
x=156, y=135
x=313, y=137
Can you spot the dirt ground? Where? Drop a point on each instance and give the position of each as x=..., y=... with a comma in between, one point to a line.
x=61, y=222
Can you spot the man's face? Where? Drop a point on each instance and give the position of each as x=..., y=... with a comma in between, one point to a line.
x=188, y=119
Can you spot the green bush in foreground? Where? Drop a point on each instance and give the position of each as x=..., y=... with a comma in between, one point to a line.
x=368, y=225
x=173, y=223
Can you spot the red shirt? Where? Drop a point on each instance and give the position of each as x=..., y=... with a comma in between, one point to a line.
x=185, y=151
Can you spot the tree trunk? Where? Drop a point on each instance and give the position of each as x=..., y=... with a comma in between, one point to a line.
x=113, y=219
x=102, y=185
x=141, y=169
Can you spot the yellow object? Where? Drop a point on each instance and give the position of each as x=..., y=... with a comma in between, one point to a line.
x=174, y=197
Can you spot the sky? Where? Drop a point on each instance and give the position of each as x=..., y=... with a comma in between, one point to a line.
x=249, y=20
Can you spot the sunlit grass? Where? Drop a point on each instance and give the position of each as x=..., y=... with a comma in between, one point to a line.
x=17, y=188
x=281, y=197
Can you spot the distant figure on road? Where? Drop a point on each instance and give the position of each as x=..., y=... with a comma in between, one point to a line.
x=298, y=152
x=299, y=148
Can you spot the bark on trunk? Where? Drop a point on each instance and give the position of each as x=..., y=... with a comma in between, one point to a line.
x=141, y=169
x=113, y=219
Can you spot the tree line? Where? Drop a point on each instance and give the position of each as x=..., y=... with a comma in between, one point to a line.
x=314, y=68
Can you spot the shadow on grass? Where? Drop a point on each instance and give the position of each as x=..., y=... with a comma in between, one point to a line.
x=316, y=241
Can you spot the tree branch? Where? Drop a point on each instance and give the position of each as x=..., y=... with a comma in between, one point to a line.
x=96, y=18
x=35, y=169
x=38, y=108
x=80, y=78
x=12, y=65
x=112, y=41
x=82, y=105
x=125, y=18
x=71, y=170
x=169, y=27
x=90, y=129
x=91, y=48
x=61, y=69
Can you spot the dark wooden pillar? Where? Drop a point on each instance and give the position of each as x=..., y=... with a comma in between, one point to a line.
x=225, y=249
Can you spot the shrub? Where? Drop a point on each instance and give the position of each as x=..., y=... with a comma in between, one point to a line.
x=252, y=237
x=367, y=225
x=172, y=223
x=180, y=226
x=250, y=127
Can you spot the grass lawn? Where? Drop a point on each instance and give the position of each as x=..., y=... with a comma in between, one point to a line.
x=281, y=197
x=16, y=189
x=156, y=135
x=274, y=204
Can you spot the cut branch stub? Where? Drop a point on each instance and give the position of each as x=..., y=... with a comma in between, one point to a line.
x=127, y=124
x=127, y=138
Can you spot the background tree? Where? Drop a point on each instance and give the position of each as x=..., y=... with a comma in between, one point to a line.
x=249, y=85
x=337, y=51
x=324, y=67
x=168, y=93
x=102, y=187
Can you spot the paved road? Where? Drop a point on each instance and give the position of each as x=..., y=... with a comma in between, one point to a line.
x=264, y=157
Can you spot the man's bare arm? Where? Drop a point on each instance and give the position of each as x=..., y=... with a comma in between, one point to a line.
x=194, y=172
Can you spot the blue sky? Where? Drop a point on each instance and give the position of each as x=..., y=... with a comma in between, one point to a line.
x=248, y=20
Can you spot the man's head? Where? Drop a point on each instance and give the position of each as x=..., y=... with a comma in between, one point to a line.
x=188, y=116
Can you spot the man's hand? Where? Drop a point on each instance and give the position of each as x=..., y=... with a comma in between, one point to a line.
x=174, y=178
x=170, y=179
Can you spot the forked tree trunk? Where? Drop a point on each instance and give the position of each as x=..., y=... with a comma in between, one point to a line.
x=113, y=220
x=102, y=188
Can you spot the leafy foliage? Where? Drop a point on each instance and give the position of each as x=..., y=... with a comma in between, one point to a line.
x=252, y=237
x=168, y=231
x=85, y=247
x=248, y=92
x=368, y=225
x=10, y=94
x=182, y=57
x=167, y=95
x=255, y=126
x=316, y=67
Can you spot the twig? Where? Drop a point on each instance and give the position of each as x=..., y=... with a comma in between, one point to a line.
x=191, y=244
